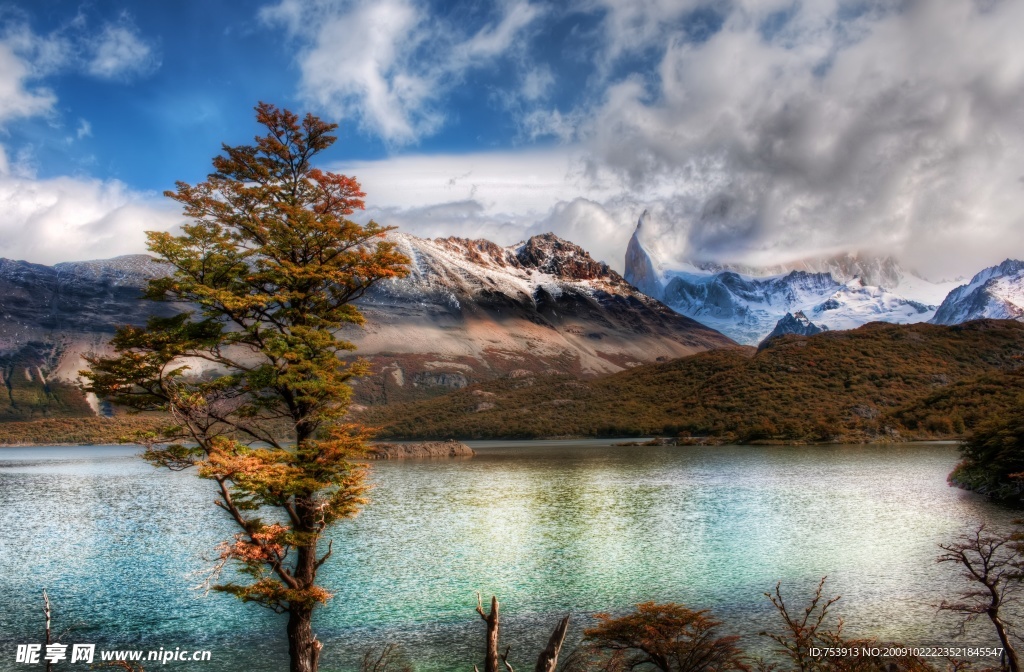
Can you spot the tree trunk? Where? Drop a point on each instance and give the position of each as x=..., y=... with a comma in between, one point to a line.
x=303, y=646
x=46, y=612
x=548, y=660
x=491, y=619
x=1011, y=653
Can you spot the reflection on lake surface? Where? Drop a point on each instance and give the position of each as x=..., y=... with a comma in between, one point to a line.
x=549, y=527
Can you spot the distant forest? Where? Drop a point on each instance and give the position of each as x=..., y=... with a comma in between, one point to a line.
x=879, y=383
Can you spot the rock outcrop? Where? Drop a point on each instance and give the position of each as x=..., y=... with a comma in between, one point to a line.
x=401, y=451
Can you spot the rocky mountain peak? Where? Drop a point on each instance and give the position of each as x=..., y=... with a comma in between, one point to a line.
x=793, y=323
x=640, y=266
x=550, y=254
x=479, y=251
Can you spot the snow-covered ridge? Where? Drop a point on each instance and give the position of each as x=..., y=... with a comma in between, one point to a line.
x=996, y=292
x=836, y=292
x=793, y=323
x=129, y=269
x=484, y=310
x=465, y=266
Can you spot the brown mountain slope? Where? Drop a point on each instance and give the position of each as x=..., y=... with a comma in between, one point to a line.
x=469, y=311
x=878, y=382
x=472, y=311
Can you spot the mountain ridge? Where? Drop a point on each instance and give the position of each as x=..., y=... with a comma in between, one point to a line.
x=469, y=310
x=877, y=383
x=996, y=292
x=840, y=291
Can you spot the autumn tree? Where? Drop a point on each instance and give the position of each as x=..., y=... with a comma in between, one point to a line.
x=665, y=637
x=249, y=373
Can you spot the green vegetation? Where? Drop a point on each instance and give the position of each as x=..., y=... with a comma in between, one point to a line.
x=881, y=382
x=993, y=455
x=78, y=431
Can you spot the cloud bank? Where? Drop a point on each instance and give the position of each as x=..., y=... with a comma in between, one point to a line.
x=66, y=219
x=755, y=131
x=760, y=132
x=900, y=128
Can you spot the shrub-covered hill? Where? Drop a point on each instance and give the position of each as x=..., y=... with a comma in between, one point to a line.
x=881, y=382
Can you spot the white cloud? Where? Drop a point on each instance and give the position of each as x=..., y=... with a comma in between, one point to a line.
x=116, y=51
x=389, y=62
x=537, y=83
x=18, y=98
x=362, y=64
x=527, y=182
x=495, y=40
x=502, y=196
x=65, y=219
x=894, y=130
x=632, y=26
x=119, y=52
x=42, y=54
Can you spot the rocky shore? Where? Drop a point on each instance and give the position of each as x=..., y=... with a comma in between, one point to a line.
x=400, y=451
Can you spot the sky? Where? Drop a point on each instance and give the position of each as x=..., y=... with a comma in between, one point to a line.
x=752, y=131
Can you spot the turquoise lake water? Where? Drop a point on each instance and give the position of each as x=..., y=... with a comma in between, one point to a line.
x=548, y=527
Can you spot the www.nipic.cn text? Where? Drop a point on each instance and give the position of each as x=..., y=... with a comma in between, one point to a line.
x=32, y=654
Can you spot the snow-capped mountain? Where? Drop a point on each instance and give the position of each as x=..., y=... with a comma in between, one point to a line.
x=472, y=310
x=791, y=323
x=746, y=303
x=469, y=310
x=997, y=292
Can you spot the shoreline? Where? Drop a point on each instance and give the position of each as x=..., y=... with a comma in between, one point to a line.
x=620, y=442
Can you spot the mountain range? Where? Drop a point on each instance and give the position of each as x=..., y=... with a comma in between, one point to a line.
x=469, y=310
x=996, y=292
x=472, y=311
x=832, y=292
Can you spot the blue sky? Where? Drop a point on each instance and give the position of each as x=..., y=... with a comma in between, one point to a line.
x=182, y=77
x=754, y=131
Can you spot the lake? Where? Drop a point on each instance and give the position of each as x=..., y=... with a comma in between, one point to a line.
x=548, y=527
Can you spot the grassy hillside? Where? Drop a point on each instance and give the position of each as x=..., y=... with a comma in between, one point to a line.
x=876, y=383
x=79, y=431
